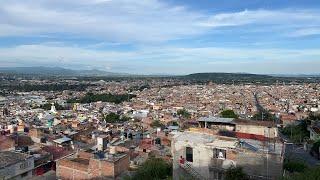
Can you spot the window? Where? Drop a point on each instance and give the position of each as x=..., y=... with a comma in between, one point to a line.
x=189, y=154
x=219, y=153
x=24, y=165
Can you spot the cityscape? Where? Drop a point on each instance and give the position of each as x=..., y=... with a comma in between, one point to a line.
x=159, y=90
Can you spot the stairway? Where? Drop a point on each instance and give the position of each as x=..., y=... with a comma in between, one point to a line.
x=188, y=168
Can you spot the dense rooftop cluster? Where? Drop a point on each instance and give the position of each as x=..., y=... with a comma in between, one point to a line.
x=120, y=124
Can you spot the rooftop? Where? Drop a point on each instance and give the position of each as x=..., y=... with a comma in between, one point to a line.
x=194, y=137
x=254, y=122
x=255, y=145
x=228, y=142
x=109, y=157
x=62, y=140
x=8, y=158
x=216, y=119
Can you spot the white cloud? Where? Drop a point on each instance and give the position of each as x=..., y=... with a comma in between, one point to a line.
x=133, y=21
x=155, y=58
x=271, y=17
x=305, y=32
x=121, y=20
x=145, y=22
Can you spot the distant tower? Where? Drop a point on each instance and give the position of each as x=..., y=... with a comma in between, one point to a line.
x=53, y=108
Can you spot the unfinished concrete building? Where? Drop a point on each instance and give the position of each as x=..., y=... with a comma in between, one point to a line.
x=208, y=156
x=84, y=165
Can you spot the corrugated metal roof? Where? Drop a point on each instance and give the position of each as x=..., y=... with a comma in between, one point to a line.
x=216, y=119
x=62, y=140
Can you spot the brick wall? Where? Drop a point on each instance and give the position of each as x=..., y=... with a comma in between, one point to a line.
x=121, y=165
x=67, y=169
x=70, y=173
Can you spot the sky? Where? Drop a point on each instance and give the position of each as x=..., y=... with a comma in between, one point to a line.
x=163, y=36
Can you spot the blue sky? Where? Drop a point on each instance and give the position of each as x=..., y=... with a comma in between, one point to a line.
x=162, y=36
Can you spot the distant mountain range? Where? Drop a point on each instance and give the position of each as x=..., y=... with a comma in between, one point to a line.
x=56, y=71
x=225, y=75
x=237, y=78
x=228, y=77
x=215, y=77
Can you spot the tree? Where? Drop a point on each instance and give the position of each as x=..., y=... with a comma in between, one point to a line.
x=264, y=115
x=157, y=123
x=115, y=118
x=235, y=173
x=114, y=98
x=184, y=113
x=229, y=114
x=312, y=173
x=294, y=166
x=173, y=123
x=297, y=133
x=153, y=168
x=58, y=107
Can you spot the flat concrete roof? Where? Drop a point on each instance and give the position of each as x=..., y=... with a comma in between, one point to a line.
x=194, y=137
x=8, y=158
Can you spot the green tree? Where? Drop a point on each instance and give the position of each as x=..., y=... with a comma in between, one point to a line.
x=264, y=115
x=114, y=98
x=184, y=113
x=115, y=118
x=229, y=114
x=294, y=166
x=312, y=173
x=157, y=123
x=297, y=133
x=236, y=173
x=58, y=107
x=153, y=168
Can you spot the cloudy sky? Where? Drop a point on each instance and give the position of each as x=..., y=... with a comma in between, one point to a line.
x=162, y=36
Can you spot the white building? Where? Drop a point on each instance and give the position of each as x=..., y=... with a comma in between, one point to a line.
x=208, y=156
